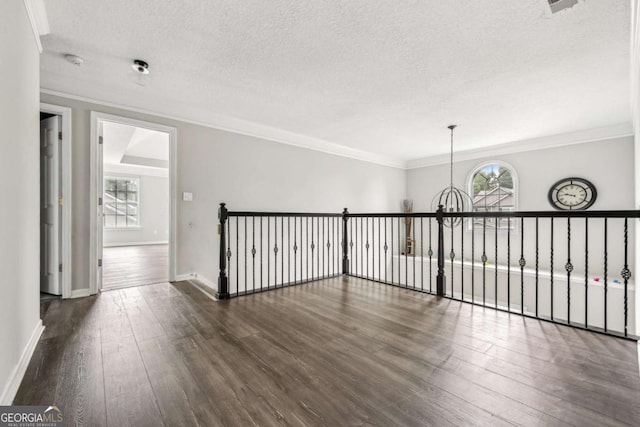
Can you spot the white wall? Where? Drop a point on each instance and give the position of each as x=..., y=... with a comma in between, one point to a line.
x=608, y=164
x=245, y=172
x=19, y=185
x=154, y=213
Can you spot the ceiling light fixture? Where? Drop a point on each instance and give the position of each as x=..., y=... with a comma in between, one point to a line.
x=452, y=199
x=74, y=59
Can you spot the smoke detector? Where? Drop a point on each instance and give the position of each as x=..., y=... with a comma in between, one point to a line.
x=74, y=59
x=140, y=66
x=139, y=73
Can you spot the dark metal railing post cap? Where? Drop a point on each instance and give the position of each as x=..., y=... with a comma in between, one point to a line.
x=222, y=210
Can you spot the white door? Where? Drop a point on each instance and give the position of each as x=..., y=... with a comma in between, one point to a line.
x=50, y=207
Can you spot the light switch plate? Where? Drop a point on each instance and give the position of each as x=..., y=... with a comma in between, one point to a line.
x=187, y=196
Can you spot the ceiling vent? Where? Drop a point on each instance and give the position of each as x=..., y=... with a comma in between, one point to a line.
x=559, y=5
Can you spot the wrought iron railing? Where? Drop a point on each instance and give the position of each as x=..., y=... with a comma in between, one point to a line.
x=260, y=251
x=572, y=268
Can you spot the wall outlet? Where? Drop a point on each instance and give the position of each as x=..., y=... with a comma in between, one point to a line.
x=187, y=196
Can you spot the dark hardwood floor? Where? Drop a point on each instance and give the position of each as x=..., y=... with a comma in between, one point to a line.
x=334, y=352
x=126, y=266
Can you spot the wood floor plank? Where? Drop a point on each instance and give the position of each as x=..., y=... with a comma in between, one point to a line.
x=127, y=266
x=341, y=351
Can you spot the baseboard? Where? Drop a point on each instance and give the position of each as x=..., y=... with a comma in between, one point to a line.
x=79, y=293
x=118, y=244
x=183, y=277
x=11, y=388
x=213, y=286
x=206, y=286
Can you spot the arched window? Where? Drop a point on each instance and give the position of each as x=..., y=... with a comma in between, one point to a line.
x=493, y=186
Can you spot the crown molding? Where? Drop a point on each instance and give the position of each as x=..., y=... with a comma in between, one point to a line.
x=38, y=19
x=255, y=130
x=619, y=130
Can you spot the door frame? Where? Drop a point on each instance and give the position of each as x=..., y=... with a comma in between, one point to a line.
x=96, y=168
x=65, y=165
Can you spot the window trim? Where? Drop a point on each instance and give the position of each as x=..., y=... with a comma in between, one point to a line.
x=123, y=177
x=516, y=187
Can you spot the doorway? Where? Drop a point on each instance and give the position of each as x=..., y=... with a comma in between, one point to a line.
x=55, y=201
x=132, y=180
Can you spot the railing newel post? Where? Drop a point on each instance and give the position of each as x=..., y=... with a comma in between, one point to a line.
x=345, y=244
x=223, y=282
x=441, y=279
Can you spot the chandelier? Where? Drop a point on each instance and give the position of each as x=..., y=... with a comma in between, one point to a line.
x=452, y=199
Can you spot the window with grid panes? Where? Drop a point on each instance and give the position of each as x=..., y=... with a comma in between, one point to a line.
x=493, y=187
x=121, y=202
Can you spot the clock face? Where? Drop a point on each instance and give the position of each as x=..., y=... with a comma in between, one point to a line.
x=572, y=194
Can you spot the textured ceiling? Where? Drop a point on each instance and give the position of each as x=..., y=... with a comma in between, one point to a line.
x=384, y=77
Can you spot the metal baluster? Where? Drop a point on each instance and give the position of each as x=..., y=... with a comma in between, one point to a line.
x=306, y=246
x=586, y=272
x=313, y=247
x=332, y=224
x=626, y=275
x=253, y=250
x=373, y=249
x=413, y=249
x=367, y=245
x=324, y=259
x=355, y=259
x=246, y=282
x=495, y=250
x=522, y=263
x=569, y=268
x=406, y=255
x=282, y=246
x=430, y=253
x=399, y=252
x=509, y=264
x=337, y=240
x=268, y=250
x=452, y=255
x=392, y=251
x=421, y=254
x=606, y=271
x=275, y=252
x=362, y=242
x=551, y=266
x=328, y=260
x=238, y=255
x=462, y=225
x=379, y=250
x=385, y=250
x=288, y=250
x=295, y=250
x=473, y=261
x=484, y=259
x=261, y=251
x=537, y=267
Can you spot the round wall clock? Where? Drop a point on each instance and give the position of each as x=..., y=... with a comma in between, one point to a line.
x=572, y=194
